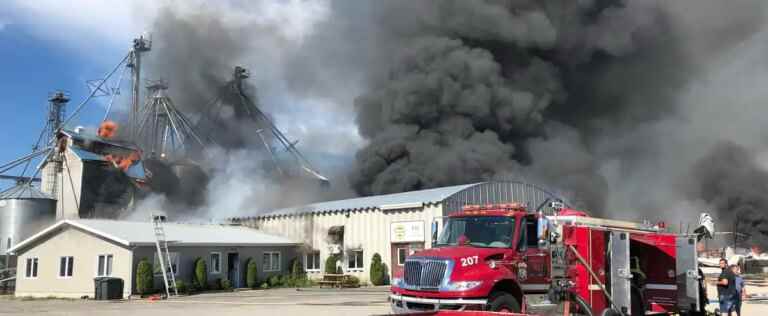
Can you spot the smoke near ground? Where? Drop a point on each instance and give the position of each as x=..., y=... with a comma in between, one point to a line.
x=613, y=102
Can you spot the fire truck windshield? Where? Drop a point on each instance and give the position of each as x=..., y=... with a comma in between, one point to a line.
x=480, y=231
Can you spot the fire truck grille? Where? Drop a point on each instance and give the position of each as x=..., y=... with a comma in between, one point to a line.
x=424, y=273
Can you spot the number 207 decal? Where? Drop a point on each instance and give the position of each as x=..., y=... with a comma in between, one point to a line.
x=468, y=261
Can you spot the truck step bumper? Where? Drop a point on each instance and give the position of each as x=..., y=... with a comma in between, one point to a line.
x=409, y=304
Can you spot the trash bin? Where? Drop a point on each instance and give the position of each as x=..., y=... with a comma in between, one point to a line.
x=107, y=288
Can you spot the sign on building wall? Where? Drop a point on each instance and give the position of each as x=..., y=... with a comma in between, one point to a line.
x=406, y=231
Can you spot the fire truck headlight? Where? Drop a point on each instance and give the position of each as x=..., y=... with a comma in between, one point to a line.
x=398, y=282
x=462, y=285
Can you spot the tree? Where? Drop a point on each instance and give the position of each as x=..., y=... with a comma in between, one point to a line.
x=144, y=277
x=251, y=274
x=330, y=264
x=201, y=273
x=297, y=270
x=377, y=274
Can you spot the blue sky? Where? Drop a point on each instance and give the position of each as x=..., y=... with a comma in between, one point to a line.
x=30, y=69
x=48, y=45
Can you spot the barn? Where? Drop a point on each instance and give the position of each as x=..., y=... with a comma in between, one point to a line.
x=391, y=225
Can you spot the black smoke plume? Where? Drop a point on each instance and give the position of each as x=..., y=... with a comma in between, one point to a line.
x=480, y=89
x=610, y=100
x=729, y=180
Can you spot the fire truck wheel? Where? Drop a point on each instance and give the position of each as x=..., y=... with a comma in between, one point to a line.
x=503, y=302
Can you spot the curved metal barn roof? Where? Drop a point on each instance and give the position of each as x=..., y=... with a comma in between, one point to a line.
x=452, y=198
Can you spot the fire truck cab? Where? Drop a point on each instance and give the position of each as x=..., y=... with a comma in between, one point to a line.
x=506, y=259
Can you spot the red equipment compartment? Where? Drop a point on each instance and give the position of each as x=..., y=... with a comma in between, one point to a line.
x=591, y=245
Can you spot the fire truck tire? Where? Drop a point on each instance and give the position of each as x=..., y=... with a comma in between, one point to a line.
x=503, y=302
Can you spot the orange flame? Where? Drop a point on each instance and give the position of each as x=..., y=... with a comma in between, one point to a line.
x=123, y=163
x=108, y=129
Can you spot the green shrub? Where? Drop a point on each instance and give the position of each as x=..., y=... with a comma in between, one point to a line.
x=377, y=270
x=182, y=287
x=352, y=281
x=297, y=269
x=145, y=281
x=225, y=284
x=275, y=281
x=330, y=264
x=201, y=273
x=265, y=285
x=251, y=274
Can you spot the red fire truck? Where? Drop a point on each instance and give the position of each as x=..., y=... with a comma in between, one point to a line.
x=504, y=258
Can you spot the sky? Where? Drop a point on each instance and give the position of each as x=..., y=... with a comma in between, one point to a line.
x=50, y=45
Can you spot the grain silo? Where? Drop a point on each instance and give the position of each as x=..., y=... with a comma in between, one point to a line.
x=24, y=210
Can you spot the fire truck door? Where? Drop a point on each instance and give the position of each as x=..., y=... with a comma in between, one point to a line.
x=687, y=274
x=620, y=277
x=537, y=275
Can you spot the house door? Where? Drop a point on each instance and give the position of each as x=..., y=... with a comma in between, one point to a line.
x=399, y=252
x=233, y=269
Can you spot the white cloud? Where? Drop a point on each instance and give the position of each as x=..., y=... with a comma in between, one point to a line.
x=90, y=24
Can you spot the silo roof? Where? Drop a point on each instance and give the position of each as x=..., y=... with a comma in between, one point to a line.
x=24, y=191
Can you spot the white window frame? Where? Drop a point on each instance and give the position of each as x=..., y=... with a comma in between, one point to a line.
x=317, y=262
x=106, y=264
x=34, y=270
x=69, y=262
x=215, y=269
x=271, y=267
x=352, y=256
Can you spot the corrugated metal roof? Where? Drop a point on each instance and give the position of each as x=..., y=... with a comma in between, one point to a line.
x=24, y=191
x=402, y=200
x=86, y=155
x=91, y=137
x=136, y=170
x=129, y=233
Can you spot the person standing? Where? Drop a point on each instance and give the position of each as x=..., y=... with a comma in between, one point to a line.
x=726, y=288
x=741, y=292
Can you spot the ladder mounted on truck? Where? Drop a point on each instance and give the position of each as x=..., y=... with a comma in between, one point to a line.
x=164, y=256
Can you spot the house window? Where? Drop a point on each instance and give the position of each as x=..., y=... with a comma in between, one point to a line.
x=312, y=261
x=104, y=266
x=174, y=264
x=31, y=268
x=271, y=261
x=401, y=254
x=65, y=267
x=355, y=259
x=215, y=262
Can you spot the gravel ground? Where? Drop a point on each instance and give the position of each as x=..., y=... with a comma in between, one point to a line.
x=365, y=301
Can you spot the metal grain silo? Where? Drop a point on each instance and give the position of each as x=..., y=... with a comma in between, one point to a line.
x=24, y=211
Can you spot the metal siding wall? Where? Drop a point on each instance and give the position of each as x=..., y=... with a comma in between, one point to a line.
x=366, y=229
x=498, y=192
